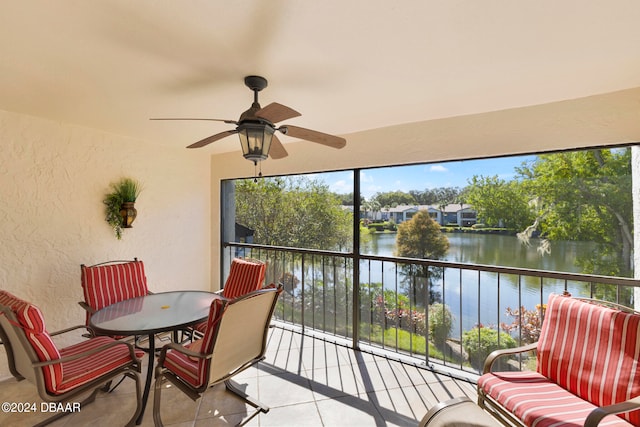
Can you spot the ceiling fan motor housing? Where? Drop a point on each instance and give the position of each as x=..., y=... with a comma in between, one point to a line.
x=255, y=83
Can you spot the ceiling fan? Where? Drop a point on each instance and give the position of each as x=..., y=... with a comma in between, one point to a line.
x=256, y=128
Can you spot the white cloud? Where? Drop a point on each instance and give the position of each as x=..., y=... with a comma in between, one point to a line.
x=438, y=168
x=365, y=178
x=370, y=190
x=341, y=186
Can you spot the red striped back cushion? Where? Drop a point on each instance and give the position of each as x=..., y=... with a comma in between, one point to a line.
x=592, y=351
x=104, y=285
x=245, y=276
x=32, y=322
x=6, y=298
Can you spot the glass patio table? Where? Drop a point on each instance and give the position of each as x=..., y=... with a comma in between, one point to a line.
x=149, y=315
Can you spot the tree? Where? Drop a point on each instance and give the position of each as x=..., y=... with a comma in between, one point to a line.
x=433, y=196
x=293, y=211
x=394, y=198
x=347, y=199
x=420, y=237
x=365, y=207
x=499, y=203
x=586, y=195
x=374, y=207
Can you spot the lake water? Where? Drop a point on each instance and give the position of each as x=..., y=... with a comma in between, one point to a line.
x=495, y=249
x=474, y=294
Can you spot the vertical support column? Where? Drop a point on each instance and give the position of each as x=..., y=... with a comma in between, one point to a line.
x=356, y=259
x=227, y=225
x=635, y=191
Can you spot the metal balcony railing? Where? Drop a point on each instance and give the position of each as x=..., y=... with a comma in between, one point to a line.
x=436, y=312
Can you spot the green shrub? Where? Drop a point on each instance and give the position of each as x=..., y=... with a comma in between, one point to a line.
x=480, y=343
x=413, y=321
x=440, y=323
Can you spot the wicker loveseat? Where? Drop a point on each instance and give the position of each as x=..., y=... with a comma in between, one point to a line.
x=586, y=369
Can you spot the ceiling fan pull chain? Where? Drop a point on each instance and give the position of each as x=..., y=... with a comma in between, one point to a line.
x=259, y=175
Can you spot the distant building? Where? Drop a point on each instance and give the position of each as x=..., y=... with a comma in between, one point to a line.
x=243, y=235
x=458, y=214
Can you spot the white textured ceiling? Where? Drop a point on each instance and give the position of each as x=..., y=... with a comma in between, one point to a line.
x=347, y=66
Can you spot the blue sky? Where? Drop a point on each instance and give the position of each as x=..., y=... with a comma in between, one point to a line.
x=421, y=177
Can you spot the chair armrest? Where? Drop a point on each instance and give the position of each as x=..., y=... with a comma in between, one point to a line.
x=599, y=413
x=69, y=329
x=181, y=349
x=89, y=353
x=86, y=306
x=494, y=355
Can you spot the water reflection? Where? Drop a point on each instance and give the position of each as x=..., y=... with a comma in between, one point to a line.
x=495, y=249
x=482, y=297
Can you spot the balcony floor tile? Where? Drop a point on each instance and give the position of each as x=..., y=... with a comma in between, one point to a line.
x=306, y=381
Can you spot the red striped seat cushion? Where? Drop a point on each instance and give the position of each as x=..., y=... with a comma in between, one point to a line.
x=245, y=276
x=193, y=370
x=32, y=322
x=539, y=402
x=104, y=285
x=81, y=371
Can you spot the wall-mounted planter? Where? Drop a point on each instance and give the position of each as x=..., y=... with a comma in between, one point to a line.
x=120, y=209
x=128, y=213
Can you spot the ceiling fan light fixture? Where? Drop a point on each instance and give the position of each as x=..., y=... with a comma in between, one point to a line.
x=255, y=139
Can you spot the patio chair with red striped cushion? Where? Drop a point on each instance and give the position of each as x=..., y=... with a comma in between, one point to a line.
x=110, y=282
x=246, y=275
x=60, y=375
x=235, y=338
x=586, y=369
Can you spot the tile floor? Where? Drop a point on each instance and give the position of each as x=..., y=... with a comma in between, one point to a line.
x=306, y=382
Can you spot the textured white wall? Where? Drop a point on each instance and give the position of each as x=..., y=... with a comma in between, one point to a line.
x=53, y=178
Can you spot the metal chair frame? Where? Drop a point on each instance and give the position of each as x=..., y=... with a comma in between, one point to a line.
x=25, y=364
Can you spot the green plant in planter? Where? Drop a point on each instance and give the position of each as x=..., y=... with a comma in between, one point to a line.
x=129, y=189
x=440, y=324
x=124, y=191
x=480, y=341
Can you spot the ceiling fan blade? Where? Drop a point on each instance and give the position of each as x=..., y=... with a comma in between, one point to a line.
x=208, y=140
x=275, y=112
x=277, y=150
x=232, y=122
x=314, y=136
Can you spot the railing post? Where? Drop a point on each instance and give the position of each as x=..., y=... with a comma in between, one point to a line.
x=302, y=296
